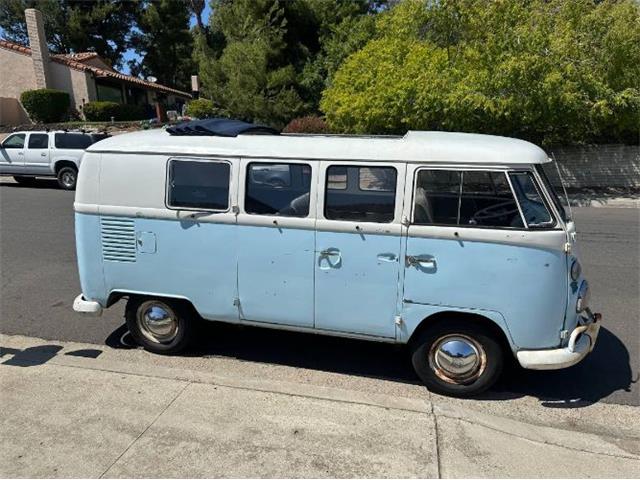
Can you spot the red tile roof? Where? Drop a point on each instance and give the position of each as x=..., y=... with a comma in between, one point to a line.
x=74, y=61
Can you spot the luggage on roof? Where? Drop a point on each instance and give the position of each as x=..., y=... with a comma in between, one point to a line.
x=221, y=127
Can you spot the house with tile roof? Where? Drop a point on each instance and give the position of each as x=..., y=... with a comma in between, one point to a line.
x=84, y=75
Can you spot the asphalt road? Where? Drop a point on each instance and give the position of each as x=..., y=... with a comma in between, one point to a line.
x=39, y=282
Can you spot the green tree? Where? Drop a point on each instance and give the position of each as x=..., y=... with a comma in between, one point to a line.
x=164, y=43
x=545, y=70
x=258, y=59
x=102, y=26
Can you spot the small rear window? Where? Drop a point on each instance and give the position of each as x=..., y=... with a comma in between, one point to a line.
x=73, y=141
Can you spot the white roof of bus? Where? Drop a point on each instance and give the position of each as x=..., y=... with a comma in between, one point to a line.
x=415, y=146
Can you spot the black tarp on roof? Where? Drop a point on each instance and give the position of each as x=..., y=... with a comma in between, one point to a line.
x=221, y=127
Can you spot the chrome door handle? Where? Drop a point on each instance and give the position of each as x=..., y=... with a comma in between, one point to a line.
x=20, y=153
x=387, y=257
x=43, y=154
x=328, y=253
x=423, y=261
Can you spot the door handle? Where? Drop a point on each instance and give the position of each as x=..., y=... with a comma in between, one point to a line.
x=20, y=153
x=329, y=253
x=422, y=261
x=387, y=257
x=43, y=154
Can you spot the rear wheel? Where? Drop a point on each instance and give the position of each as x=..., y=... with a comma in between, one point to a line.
x=160, y=325
x=457, y=358
x=67, y=178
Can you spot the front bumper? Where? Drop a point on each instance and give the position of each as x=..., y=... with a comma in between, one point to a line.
x=90, y=307
x=581, y=342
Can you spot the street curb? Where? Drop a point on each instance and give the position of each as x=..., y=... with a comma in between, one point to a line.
x=598, y=444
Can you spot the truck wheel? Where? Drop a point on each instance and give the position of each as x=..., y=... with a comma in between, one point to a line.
x=67, y=177
x=24, y=180
x=159, y=325
x=457, y=358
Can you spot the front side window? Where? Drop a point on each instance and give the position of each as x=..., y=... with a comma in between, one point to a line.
x=38, y=140
x=14, y=141
x=465, y=198
x=533, y=206
x=278, y=189
x=360, y=194
x=73, y=141
x=198, y=185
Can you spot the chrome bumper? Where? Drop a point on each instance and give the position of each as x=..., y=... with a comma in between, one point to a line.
x=88, y=307
x=581, y=342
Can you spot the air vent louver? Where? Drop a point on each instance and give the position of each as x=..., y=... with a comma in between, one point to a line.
x=118, y=239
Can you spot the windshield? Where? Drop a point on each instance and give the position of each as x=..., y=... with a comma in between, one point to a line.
x=560, y=202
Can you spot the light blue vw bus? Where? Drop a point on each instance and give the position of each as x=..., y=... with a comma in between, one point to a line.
x=455, y=244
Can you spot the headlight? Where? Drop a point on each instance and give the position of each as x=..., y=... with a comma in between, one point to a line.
x=576, y=270
x=583, y=297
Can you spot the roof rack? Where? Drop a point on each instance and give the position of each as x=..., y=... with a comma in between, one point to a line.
x=220, y=127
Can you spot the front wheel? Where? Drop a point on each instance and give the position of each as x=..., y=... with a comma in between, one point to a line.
x=67, y=178
x=159, y=325
x=457, y=358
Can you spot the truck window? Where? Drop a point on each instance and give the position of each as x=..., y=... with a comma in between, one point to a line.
x=73, y=141
x=278, y=189
x=14, y=141
x=38, y=140
x=198, y=185
x=465, y=198
x=366, y=194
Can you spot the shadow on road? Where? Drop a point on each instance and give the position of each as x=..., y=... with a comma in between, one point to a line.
x=38, y=183
x=605, y=371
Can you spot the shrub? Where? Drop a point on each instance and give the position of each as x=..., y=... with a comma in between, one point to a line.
x=202, y=108
x=45, y=105
x=101, y=111
x=308, y=124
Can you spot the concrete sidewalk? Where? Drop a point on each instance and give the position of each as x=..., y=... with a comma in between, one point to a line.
x=77, y=410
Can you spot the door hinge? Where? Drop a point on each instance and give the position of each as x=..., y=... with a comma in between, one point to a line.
x=564, y=334
x=235, y=209
x=567, y=247
x=236, y=302
x=398, y=320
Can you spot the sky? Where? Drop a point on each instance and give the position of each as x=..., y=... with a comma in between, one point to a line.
x=130, y=54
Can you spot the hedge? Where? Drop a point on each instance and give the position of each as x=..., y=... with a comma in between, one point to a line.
x=308, y=124
x=104, y=111
x=202, y=108
x=46, y=105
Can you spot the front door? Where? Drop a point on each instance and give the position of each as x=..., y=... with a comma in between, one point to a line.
x=358, y=243
x=12, y=154
x=36, y=155
x=472, y=245
x=276, y=242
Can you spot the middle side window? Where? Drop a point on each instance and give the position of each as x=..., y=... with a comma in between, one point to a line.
x=281, y=189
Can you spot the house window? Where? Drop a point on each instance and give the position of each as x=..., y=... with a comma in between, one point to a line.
x=109, y=92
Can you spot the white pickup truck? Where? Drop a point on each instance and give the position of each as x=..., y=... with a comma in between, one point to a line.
x=27, y=155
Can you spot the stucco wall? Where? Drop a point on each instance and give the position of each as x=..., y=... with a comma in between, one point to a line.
x=71, y=81
x=599, y=165
x=12, y=112
x=17, y=74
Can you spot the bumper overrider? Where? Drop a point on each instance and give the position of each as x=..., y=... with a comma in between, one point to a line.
x=581, y=342
x=89, y=307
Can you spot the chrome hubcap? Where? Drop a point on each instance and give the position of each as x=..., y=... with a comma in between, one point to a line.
x=68, y=178
x=157, y=322
x=457, y=359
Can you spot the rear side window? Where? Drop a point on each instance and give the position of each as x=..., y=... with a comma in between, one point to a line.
x=73, y=141
x=198, y=185
x=278, y=189
x=14, y=141
x=465, y=198
x=38, y=140
x=363, y=194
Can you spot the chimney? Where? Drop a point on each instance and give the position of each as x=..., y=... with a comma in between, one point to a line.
x=39, y=49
